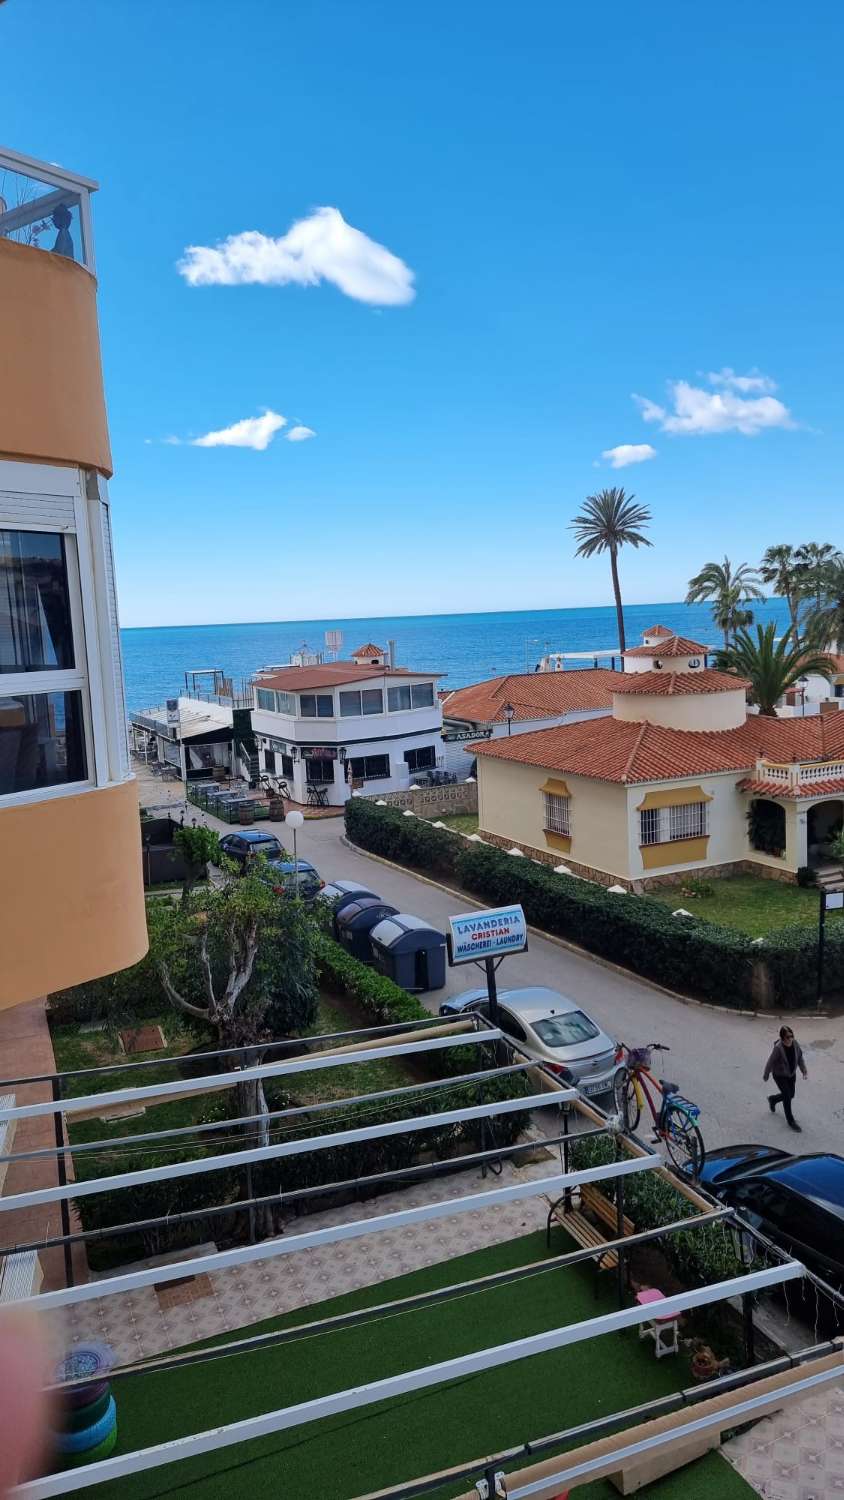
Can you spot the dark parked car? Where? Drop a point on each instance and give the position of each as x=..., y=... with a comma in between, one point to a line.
x=242, y=847
x=797, y=1201
x=283, y=873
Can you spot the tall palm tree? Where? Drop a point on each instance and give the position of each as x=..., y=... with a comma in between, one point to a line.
x=826, y=617
x=782, y=567
x=730, y=589
x=772, y=666
x=610, y=520
x=813, y=559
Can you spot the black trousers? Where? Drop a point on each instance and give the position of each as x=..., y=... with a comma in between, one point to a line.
x=786, y=1086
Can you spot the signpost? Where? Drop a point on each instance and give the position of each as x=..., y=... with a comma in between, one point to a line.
x=487, y=937
x=830, y=901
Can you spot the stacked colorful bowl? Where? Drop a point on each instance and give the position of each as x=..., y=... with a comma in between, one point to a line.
x=86, y=1422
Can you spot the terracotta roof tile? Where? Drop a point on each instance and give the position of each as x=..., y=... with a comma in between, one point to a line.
x=534, y=695
x=674, y=645
x=833, y=787
x=616, y=750
x=369, y=650
x=679, y=684
x=657, y=630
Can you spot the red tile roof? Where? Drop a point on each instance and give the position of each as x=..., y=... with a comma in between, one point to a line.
x=615, y=750
x=679, y=684
x=675, y=645
x=369, y=650
x=534, y=695
x=833, y=787
x=330, y=674
x=657, y=630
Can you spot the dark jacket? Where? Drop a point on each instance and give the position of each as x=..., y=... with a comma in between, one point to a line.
x=784, y=1061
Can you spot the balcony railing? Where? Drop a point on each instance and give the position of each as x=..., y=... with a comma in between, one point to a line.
x=43, y=206
x=799, y=773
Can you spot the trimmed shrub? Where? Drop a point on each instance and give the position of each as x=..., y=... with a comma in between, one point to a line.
x=409, y=841
x=791, y=956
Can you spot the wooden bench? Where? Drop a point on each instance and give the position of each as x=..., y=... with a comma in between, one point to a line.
x=582, y=1229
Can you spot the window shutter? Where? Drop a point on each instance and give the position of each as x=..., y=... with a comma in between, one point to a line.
x=45, y=512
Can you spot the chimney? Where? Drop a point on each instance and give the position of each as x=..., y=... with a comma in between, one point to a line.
x=391, y=649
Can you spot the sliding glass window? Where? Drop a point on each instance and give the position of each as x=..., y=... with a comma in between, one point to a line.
x=42, y=679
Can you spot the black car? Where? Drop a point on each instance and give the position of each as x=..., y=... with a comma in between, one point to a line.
x=242, y=847
x=797, y=1201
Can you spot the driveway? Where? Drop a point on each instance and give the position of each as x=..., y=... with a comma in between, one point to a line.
x=717, y=1057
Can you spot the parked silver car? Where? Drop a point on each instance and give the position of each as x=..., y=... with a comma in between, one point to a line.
x=553, y=1029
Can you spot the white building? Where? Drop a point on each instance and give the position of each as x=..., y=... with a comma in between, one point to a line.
x=334, y=727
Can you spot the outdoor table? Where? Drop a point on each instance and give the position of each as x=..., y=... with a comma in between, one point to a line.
x=317, y=796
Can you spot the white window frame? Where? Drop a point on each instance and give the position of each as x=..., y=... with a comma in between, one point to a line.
x=38, y=683
x=396, y=687
x=672, y=825
x=317, y=717
x=557, y=814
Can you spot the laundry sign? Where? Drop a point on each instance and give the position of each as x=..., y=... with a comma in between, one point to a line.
x=486, y=934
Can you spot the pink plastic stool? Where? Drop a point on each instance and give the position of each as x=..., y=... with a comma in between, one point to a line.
x=663, y=1331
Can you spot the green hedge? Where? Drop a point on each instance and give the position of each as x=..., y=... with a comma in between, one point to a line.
x=699, y=1256
x=409, y=841
x=687, y=954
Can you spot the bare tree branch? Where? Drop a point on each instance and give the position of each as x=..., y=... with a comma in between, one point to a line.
x=178, y=1000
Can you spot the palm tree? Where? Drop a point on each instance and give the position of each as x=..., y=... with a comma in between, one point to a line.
x=610, y=520
x=813, y=559
x=729, y=589
x=772, y=666
x=826, y=618
x=781, y=566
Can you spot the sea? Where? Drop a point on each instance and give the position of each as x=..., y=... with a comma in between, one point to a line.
x=464, y=648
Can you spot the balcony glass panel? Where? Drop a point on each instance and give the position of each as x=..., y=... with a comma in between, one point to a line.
x=33, y=212
x=42, y=741
x=36, y=633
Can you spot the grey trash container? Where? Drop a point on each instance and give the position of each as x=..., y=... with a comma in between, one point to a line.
x=338, y=893
x=354, y=923
x=410, y=952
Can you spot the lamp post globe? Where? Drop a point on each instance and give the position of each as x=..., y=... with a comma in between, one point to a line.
x=295, y=820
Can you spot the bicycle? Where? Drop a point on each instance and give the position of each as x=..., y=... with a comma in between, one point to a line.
x=675, y=1118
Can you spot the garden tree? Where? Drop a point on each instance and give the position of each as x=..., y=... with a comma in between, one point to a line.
x=781, y=567
x=610, y=520
x=825, y=618
x=730, y=589
x=199, y=847
x=772, y=666
x=813, y=562
x=241, y=961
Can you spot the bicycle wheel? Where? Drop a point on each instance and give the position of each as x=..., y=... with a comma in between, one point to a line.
x=684, y=1144
x=627, y=1098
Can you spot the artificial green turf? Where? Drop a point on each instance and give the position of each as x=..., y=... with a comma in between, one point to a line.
x=747, y=902
x=412, y=1435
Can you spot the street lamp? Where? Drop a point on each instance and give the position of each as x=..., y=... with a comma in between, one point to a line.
x=295, y=820
x=508, y=714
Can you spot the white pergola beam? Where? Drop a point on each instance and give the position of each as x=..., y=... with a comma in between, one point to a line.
x=413, y=1380
x=284, y=1148
x=91, y=1103
x=223, y=1260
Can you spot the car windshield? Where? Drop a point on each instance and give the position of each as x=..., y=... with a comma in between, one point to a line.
x=566, y=1030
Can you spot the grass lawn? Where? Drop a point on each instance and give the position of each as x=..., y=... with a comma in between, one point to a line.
x=753, y=905
x=395, y=1441
x=460, y=822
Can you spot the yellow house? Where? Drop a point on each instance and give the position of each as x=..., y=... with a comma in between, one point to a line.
x=681, y=779
x=71, y=894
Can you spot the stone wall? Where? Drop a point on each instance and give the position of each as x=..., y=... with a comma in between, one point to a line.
x=436, y=801
x=553, y=858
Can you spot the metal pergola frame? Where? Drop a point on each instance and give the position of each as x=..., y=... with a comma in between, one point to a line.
x=631, y=1157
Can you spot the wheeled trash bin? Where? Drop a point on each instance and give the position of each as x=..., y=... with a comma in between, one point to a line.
x=409, y=951
x=354, y=923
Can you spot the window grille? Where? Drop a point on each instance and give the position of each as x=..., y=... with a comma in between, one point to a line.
x=557, y=814
x=649, y=825
x=688, y=821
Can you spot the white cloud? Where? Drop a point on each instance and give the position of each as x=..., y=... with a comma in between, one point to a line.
x=754, y=380
x=696, y=412
x=299, y=433
x=628, y=453
x=322, y=247
x=251, y=432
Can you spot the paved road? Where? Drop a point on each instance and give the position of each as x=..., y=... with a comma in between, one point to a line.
x=717, y=1057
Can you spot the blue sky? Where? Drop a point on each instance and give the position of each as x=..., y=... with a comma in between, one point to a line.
x=579, y=204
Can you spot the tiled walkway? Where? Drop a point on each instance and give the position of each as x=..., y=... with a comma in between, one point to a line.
x=142, y=1323
x=798, y=1454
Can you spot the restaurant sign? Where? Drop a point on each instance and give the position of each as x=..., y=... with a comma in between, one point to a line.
x=319, y=752
x=486, y=934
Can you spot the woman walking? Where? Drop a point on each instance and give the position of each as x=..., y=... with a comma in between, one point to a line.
x=786, y=1057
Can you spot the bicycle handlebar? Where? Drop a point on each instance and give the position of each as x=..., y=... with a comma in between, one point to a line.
x=653, y=1046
